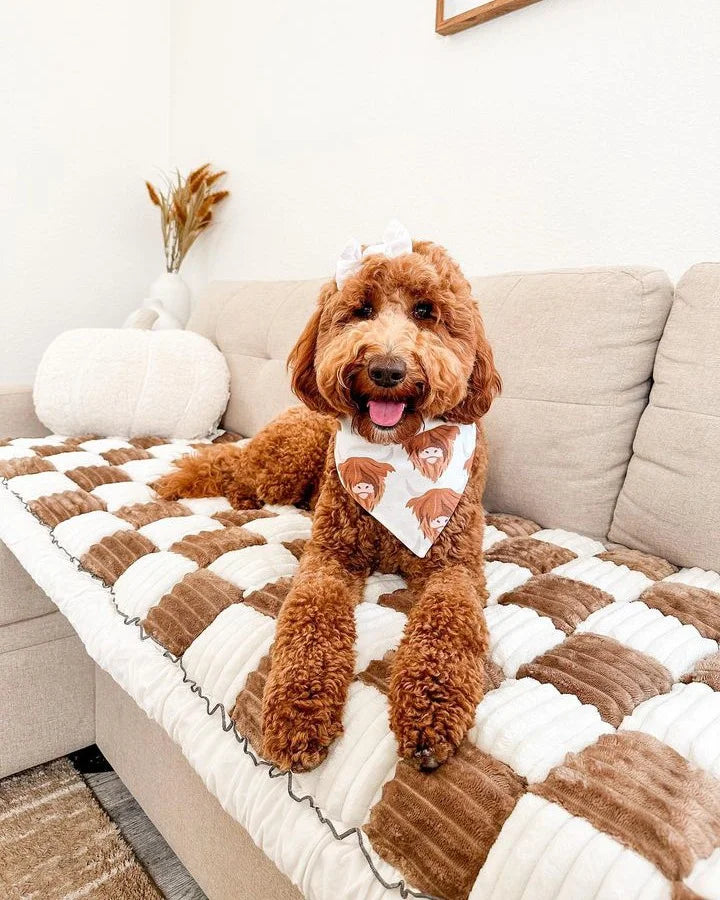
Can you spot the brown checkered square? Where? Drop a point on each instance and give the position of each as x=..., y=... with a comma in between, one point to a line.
x=706, y=671
x=56, y=508
x=269, y=599
x=24, y=465
x=124, y=454
x=641, y=792
x=565, y=601
x=602, y=672
x=296, y=547
x=90, y=477
x=537, y=556
x=652, y=566
x=513, y=526
x=401, y=600
x=53, y=450
x=247, y=711
x=139, y=514
x=241, y=516
x=204, y=548
x=439, y=840
x=188, y=609
x=691, y=605
x=143, y=443
x=111, y=556
x=379, y=671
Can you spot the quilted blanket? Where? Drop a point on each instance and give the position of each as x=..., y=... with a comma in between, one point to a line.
x=592, y=769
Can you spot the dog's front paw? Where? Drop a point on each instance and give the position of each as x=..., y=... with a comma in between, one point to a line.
x=297, y=733
x=432, y=707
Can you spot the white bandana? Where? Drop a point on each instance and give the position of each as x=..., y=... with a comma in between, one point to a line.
x=412, y=489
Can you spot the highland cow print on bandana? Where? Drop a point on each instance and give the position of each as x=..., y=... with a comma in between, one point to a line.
x=413, y=488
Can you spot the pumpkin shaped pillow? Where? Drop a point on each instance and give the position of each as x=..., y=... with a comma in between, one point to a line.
x=131, y=382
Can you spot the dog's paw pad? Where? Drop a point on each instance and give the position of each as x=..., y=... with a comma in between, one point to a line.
x=425, y=760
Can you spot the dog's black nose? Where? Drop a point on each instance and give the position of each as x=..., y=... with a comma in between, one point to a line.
x=386, y=371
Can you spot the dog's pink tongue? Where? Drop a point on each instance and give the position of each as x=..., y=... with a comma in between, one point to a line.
x=385, y=412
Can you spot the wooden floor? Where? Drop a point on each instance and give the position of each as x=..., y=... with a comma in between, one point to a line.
x=166, y=870
x=150, y=847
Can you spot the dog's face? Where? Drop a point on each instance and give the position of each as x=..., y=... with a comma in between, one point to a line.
x=402, y=341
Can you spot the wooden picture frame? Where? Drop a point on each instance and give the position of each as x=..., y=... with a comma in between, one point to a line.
x=475, y=16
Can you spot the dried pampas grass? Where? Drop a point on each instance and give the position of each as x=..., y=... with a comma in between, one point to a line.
x=186, y=209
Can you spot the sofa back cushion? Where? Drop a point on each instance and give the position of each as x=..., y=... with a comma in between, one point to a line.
x=255, y=324
x=670, y=502
x=575, y=350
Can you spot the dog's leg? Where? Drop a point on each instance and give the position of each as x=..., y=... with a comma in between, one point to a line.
x=437, y=678
x=282, y=464
x=312, y=664
x=215, y=471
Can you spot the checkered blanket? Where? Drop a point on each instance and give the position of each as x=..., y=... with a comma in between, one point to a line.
x=593, y=766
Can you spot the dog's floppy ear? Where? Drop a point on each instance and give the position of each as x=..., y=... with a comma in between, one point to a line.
x=484, y=383
x=302, y=358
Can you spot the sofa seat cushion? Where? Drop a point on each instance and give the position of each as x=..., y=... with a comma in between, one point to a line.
x=670, y=502
x=593, y=766
x=31, y=632
x=20, y=597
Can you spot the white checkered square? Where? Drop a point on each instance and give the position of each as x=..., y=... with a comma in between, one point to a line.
x=123, y=493
x=206, y=506
x=75, y=459
x=223, y=655
x=361, y=760
x=678, y=647
x=143, y=584
x=532, y=726
x=78, y=534
x=146, y=470
x=286, y=527
x=501, y=577
x=30, y=487
x=165, y=532
x=545, y=853
x=518, y=634
x=622, y=583
x=379, y=629
x=687, y=719
x=577, y=543
x=251, y=568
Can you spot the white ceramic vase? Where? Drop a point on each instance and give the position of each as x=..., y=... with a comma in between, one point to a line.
x=170, y=297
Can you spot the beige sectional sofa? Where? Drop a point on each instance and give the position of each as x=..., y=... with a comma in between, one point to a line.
x=607, y=426
x=43, y=666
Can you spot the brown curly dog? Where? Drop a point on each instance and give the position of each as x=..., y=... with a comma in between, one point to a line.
x=404, y=330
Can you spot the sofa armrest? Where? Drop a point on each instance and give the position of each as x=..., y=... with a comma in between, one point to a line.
x=17, y=413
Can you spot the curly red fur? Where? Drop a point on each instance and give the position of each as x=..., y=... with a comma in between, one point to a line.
x=436, y=681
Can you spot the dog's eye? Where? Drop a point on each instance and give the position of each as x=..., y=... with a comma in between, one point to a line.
x=423, y=310
x=364, y=312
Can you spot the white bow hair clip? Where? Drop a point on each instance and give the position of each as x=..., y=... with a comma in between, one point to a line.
x=396, y=241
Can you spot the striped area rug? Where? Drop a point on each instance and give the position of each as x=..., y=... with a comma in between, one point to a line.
x=57, y=842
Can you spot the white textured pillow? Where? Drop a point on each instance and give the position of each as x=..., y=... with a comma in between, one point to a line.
x=129, y=382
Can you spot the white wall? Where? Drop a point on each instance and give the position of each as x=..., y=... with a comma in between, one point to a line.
x=573, y=132
x=84, y=102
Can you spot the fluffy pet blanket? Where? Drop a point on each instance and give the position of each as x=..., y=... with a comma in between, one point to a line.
x=592, y=769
